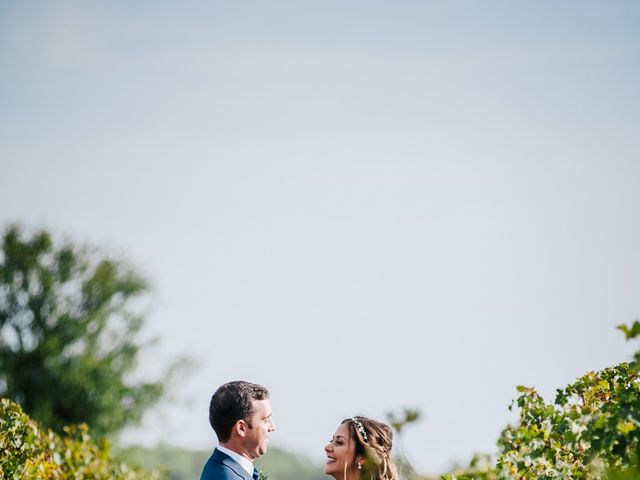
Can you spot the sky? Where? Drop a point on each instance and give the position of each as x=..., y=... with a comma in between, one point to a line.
x=364, y=206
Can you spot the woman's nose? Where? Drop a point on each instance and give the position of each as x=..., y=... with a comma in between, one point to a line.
x=327, y=447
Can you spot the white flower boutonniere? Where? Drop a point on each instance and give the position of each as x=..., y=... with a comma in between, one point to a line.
x=262, y=475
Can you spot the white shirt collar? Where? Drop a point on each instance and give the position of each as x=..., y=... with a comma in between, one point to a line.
x=243, y=461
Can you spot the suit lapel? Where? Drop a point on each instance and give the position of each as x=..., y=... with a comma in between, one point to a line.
x=227, y=461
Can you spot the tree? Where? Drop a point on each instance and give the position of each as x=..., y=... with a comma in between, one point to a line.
x=68, y=326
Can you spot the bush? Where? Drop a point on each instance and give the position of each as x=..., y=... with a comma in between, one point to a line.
x=29, y=452
x=590, y=431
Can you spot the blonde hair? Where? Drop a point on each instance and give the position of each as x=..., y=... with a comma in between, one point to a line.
x=373, y=441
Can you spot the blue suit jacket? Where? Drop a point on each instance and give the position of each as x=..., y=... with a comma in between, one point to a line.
x=221, y=466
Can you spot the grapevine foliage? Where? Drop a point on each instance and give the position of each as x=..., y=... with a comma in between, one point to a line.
x=590, y=431
x=29, y=452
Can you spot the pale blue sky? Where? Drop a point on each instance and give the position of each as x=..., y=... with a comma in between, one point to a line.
x=378, y=204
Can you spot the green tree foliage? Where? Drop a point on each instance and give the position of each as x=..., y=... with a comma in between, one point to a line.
x=590, y=431
x=27, y=451
x=68, y=334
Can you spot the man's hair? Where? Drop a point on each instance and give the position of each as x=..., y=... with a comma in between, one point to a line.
x=233, y=401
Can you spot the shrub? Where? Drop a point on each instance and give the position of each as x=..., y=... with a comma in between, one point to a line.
x=590, y=431
x=29, y=452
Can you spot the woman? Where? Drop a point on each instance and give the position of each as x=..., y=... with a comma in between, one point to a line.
x=361, y=449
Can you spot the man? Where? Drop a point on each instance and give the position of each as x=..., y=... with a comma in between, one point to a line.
x=240, y=414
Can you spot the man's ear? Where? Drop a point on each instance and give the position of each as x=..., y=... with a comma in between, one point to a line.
x=240, y=428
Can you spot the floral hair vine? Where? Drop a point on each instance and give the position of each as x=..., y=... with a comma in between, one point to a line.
x=360, y=428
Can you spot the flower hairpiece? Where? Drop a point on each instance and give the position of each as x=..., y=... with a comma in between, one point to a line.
x=360, y=428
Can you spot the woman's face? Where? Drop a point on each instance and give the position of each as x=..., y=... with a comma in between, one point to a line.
x=341, y=455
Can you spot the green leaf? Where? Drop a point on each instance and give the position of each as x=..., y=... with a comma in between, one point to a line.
x=625, y=427
x=632, y=332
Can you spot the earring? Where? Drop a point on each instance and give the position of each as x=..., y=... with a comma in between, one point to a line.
x=359, y=466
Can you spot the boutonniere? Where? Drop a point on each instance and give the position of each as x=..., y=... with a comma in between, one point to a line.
x=262, y=475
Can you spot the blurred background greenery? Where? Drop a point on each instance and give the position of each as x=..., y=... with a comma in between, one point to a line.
x=182, y=464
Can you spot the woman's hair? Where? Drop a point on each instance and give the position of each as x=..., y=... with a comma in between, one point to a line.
x=373, y=442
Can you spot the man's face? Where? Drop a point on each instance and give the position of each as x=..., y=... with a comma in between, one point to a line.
x=261, y=425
